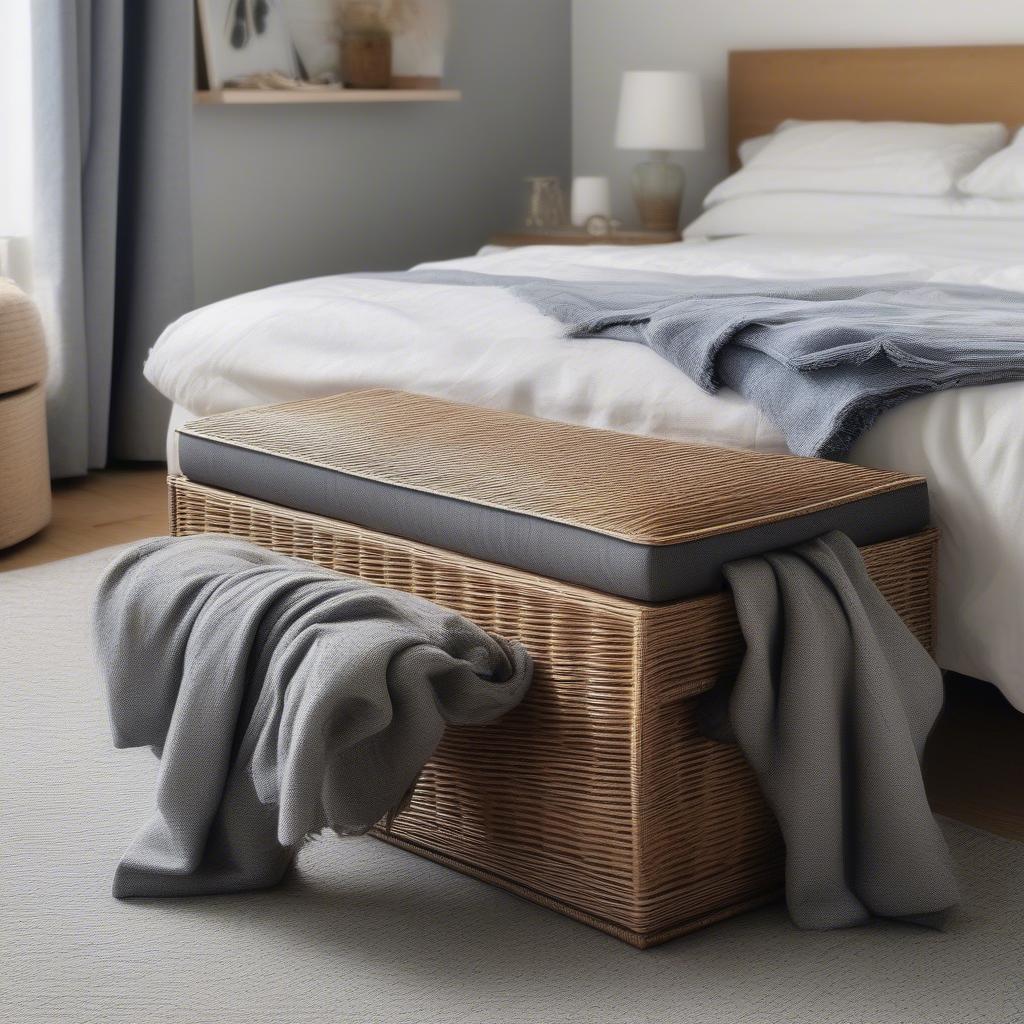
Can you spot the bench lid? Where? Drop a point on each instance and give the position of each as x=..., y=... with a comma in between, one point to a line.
x=642, y=489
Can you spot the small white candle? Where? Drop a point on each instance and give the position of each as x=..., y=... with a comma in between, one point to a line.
x=590, y=197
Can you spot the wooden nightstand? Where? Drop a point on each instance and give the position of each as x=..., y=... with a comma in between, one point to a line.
x=575, y=236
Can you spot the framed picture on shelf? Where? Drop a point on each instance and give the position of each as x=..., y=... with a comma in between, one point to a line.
x=315, y=29
x=243, y=37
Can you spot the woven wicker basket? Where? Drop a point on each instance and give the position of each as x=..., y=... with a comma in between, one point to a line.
x=597, y=796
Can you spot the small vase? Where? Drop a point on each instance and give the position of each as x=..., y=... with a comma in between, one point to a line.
x=419, y=37
x=590, y=198
x=365, y=48
x=545, y=204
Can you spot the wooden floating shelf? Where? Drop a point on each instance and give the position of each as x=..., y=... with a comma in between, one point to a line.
x=248, y=97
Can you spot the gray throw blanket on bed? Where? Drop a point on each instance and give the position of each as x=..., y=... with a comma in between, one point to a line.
x=821, y=359
x=281, y=699
x=832, y=706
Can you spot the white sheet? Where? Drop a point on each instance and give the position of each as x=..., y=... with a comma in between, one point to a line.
x=479, y=345
x=819, y=213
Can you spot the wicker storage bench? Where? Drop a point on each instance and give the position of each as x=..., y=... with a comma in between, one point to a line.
x=601, y=552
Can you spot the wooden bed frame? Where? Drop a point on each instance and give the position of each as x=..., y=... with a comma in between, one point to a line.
x=922, y=83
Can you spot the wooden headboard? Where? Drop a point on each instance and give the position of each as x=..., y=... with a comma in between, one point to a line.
x=918, y=83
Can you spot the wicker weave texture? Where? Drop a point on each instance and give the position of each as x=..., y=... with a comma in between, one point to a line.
x=641, y=489
x=22, y=350
x=24, y=465
x=24, y=461
x=597, y=796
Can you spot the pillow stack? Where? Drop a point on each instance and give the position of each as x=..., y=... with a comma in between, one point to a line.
x=822, y=176
x=883, y=157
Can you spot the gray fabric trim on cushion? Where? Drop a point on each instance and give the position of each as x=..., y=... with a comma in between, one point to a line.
x=643, y=572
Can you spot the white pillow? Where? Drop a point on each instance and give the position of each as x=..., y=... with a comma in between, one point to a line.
x=815, y=213
x=1001, y=176
x=749, y=148
x=879, y=157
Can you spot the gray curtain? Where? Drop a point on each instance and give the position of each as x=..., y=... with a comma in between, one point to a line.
x=112, y=236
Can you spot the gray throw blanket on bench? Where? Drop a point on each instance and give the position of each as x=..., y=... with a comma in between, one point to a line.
x=832, y=706
x=821, y=359
x=280, y=698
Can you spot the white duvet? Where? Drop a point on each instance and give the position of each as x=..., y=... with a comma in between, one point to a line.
x=479, y=345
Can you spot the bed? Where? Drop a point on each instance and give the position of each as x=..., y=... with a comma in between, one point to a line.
x=483, y=346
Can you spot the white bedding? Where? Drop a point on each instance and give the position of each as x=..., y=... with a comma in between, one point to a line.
x=821, y=213
x=479, y=345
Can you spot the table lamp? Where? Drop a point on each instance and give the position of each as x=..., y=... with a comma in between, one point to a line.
x=660, y=111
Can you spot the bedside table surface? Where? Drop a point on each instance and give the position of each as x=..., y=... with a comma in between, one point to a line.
x=574, y=236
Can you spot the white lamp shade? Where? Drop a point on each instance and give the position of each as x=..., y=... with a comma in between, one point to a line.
x=660, y=110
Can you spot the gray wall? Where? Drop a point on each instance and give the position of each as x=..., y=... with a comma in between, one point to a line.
x=298, y=191
x=610, y=36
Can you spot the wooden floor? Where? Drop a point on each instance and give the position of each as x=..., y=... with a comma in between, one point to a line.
x=111, y=507
x=974, y=764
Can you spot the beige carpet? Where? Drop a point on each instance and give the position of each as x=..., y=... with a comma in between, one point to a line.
x=364, y=932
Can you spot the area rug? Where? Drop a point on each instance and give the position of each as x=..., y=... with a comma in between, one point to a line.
x=364, y=932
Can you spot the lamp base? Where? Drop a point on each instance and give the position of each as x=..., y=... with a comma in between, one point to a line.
x=658, y=193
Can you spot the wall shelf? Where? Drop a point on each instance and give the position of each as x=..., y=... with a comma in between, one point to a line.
x=248, y=97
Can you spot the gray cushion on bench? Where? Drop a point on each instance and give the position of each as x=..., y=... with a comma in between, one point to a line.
x=646, y=572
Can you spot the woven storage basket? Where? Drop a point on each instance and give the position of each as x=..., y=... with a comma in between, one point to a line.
x=597, y=797
x=24, y=463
